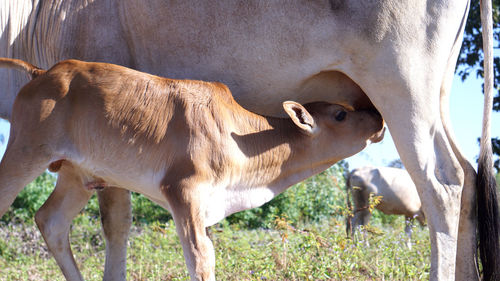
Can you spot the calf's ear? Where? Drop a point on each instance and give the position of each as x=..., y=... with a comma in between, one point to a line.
x=301, y=117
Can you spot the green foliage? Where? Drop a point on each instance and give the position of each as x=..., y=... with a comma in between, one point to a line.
x=317, y=198
x=145, y=211
x=471, y=53
x=373, y=201
x=471, y=56
x=314, y=199
x=396, y=163
x=495, y=146
x=92, y=207
x=30, y=199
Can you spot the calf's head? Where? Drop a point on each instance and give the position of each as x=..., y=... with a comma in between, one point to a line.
x=334, y=132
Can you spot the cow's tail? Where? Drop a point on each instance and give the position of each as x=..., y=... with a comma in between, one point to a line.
x=349, y=211
x=22, y=66
x=487, y=204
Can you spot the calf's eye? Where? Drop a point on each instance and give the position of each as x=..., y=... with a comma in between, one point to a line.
x=340, y=116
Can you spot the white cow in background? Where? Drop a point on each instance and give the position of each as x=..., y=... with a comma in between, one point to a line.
x=398, y=193
x=396, y=55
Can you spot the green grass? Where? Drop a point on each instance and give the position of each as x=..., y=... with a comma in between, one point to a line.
x=306, y=242
x=310, y=244
x=317, y=251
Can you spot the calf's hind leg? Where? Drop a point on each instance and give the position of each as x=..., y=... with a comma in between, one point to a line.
x=68, y=198
x=55, y=216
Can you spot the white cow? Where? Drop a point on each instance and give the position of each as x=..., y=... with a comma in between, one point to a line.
x=399, y=55
x=185, y=144
x=398, y=193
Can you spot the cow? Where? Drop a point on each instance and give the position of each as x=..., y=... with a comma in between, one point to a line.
x=185, y=144
x=396, y=56
x=398, y=196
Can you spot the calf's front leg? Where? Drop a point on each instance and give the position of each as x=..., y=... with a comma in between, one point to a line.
x=189, y=222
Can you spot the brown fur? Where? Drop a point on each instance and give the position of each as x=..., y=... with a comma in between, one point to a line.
x=185, y=144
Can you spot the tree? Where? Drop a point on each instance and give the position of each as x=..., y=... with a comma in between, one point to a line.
x=471, y=56
x=396, y=163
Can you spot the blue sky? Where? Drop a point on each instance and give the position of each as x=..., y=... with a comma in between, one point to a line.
x=466, y=106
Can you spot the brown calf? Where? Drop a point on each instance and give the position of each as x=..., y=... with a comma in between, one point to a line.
x=186, y=145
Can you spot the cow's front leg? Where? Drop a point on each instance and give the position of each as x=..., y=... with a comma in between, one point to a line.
x=199, y=255
x=428, y=156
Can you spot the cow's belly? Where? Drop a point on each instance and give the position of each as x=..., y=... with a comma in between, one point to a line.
x=397, y=207
x=262, y=59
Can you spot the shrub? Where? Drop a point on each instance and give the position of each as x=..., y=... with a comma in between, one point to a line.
x=32, y=197
x=316, y=198
x=144, y=210
x=319, y=197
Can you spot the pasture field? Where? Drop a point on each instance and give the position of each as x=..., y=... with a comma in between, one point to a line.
x=318, y=251
x=298, y=236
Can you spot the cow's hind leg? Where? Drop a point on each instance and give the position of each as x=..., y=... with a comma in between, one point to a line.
x=361, y=219
x=361, y=212
x=55, y=216
x=116, y=218
x=408, y=230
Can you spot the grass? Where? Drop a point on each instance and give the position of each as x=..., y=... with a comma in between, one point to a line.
x=299, y=235
x=253, y=245
x=316, y=251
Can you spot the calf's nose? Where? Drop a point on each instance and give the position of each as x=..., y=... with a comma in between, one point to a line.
x=378, y=125
x=378, y=136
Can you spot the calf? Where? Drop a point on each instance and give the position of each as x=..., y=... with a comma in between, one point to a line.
x=186, y=145
x=398, y=196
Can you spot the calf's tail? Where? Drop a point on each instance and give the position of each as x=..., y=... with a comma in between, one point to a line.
x=22, y=66
x=487, y=204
